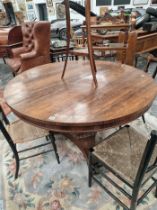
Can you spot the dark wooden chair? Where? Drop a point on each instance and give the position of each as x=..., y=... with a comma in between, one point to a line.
x=131, y=158
x=151, y=58
x=20, y=132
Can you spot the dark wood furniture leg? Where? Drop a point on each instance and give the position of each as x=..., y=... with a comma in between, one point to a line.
x=84, y=141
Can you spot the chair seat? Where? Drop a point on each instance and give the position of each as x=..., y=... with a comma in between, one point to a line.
x=122, y=152
x=22, y=132
x=79, y=51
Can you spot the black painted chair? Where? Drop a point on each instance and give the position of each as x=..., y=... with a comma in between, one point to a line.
x=151, y=58
x=20, y=132
x=131, y=158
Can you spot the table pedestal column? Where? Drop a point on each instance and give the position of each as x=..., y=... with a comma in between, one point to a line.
x=84, y=141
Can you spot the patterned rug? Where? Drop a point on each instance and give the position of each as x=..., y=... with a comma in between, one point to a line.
x=45, y=185
x=5, y=76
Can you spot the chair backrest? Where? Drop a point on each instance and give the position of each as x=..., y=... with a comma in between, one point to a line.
x=130, y=40
x=15, y=35
x=36, y=37
x=131, y=49
x=36, y=47
x=149, y=159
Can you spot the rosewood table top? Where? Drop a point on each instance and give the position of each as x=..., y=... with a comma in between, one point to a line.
x=73, y=105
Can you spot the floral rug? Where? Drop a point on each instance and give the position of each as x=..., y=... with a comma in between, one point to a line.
x=43, y=184
x=5, y=76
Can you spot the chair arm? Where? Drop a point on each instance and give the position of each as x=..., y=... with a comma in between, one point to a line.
x=18, y=44
x=28, y=55
x=6, y=46
x=16, y=52
x=32, y=62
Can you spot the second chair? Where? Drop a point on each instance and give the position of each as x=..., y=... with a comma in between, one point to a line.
x=20, y=132
x=131, y=160
x=35, y=49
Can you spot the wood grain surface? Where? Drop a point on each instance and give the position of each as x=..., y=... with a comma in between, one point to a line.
x=74, y=104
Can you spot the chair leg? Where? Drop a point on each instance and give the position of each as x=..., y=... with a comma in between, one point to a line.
x=156, y=191
x=12, y=146
x=136, y=60
x=4, y=60
x=147, y=66
x=143, y=118
x=17, y=168
x=134, y=197
x=16, y=156
x=133, y=203
x=90, y=172
x=133, y=206
x=52, y=138
x=154, y=74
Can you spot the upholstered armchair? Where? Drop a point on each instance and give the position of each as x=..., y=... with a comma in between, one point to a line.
x=10, y=38
x=35, y=49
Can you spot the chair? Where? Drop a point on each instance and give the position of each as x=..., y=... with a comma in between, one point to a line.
x=35, y=49
x=20, y=132
x=9, y=38
x=118, y=49
x=151, y=58
x=129, y=157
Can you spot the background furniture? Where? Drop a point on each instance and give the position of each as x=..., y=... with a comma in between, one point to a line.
x=89, y=38
x=74, y=106
x=118, y=51
x=129, y=156
x=151, y=58
x=106, y=26
x=59, y=54
x=35, y=49
x=143, y=44
x=18, y=14
x=20, y=132
x=11, y=19
x=9, y=38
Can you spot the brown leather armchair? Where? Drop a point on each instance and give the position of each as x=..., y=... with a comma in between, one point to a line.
x=35, y=49
x=10, y=37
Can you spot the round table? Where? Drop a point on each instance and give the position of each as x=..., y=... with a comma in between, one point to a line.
x=74, y=106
